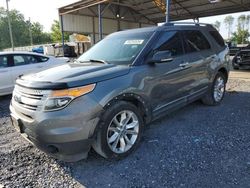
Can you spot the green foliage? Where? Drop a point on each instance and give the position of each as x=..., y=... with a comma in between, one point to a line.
x=39, y=37
x=242, y=34
x=20, y=30
x=229, y=21
x=56, y=33
x=217, y=25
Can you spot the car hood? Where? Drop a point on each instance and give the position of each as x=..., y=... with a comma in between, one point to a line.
x=73, y=75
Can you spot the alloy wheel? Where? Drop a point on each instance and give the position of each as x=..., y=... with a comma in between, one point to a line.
x=219, y=89
x=123, y=131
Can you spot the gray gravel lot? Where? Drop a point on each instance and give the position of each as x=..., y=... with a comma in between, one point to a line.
x=197, y=146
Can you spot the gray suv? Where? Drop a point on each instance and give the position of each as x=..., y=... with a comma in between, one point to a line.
x=105, y=98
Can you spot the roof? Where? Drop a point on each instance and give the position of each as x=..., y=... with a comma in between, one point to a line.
x=171, y=25
x=20, y=52
x=154, y=10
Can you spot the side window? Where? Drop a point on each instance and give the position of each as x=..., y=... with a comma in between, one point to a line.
x=171, y=41
x=24, y=60
x=195, y=41
x=42, y=59
x=217, y=37
x=19, y=60
x=30, y=59
x=3, y=61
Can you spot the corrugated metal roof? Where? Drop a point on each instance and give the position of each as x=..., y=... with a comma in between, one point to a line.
x=154, y=10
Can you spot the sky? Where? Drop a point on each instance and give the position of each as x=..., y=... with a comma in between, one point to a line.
x=45, y=11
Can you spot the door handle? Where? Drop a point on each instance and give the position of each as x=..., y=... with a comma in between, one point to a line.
x=184, y=64
x=39, y=66
x=167, y=60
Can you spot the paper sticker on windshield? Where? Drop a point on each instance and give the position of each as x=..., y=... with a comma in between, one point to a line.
x=133, y=41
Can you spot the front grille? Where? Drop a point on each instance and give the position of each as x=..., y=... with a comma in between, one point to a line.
x=26, y=101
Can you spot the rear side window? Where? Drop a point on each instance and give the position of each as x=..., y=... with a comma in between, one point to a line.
x=42, y=59
x=24, y=60
x=195, y=41
x=170, y=41
x=217, y=37
x=3, y=61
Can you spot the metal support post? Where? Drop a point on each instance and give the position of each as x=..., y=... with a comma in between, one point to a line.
x=168, y=4
x=100, y=21
x=62, y=31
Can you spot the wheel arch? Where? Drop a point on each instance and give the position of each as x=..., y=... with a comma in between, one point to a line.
x=224, y=71
x=141, y=103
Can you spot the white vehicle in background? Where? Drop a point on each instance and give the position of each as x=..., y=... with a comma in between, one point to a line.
x=14, y=64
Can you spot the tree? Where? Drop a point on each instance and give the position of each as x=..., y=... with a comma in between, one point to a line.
x=217, y=25
x=20, y=30
x=56, y=33
x=228, y=21
x=38, y=35
x=242, y=22
x=242, y=34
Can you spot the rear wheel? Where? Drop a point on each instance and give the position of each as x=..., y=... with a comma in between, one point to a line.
x=120, y=131
x=216, y=94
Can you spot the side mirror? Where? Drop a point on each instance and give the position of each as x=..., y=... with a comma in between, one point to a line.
x=161, y=57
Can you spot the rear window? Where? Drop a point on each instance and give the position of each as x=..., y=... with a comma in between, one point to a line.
x=195, y=41
x=217, y=37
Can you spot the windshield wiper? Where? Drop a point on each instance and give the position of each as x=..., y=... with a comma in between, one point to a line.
x=98, y=61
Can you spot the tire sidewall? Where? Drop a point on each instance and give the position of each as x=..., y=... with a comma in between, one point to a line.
x=105, y=122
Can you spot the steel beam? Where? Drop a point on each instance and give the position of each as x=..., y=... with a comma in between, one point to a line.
x=100, y=21
x=62, y=31
x=168, y=4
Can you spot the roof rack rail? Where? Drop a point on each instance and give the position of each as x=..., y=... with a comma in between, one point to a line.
x=186, y=23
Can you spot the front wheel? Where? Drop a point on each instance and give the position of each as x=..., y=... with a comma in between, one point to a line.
x=216, y=94
x=120, y=130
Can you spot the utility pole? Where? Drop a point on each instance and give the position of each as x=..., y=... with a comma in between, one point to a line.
x=10, y=29
x=30, y=29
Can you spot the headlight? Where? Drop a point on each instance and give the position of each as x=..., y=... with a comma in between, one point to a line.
x=59, y=99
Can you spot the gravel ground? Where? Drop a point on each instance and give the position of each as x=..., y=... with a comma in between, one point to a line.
x=197, y=146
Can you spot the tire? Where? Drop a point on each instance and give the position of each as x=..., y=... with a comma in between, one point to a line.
x=219, y=86
x=115, y=140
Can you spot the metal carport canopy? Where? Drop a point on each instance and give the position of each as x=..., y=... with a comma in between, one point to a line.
x=154, y=11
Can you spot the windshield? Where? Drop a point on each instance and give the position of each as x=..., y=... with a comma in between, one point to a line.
x=117, y=49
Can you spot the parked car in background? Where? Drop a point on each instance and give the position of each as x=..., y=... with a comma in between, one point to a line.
x=15, y=64
x=233, y=50
x=39, y=50
x=125, y=81
x=241, y=59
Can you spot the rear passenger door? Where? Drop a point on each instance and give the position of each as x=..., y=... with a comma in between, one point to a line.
x=199, y=56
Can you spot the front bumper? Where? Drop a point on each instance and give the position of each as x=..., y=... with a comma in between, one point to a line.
x=66, y=134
